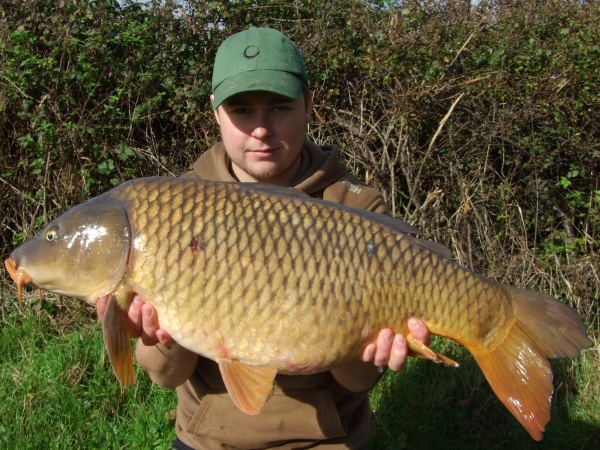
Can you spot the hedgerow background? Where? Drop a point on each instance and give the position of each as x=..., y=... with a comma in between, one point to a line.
x=480, y=124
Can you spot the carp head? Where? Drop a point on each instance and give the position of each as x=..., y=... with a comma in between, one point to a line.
x=82, y=254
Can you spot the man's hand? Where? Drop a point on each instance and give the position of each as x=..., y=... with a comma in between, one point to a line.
x=142, y=321
x=392, y=350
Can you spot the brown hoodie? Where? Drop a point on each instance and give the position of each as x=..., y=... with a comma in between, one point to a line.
x=308, y=411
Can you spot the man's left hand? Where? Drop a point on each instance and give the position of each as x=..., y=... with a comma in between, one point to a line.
x=392, y=349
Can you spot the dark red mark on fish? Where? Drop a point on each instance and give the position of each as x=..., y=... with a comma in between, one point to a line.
x=195, y=245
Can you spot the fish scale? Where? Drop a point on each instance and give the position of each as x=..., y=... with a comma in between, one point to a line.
x=264, y=279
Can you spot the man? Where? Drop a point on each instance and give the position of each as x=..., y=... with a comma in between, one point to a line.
x=262, y=104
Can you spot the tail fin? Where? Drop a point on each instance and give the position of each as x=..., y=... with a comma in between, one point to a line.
x=518, y=369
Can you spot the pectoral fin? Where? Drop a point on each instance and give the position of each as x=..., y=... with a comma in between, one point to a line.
x=249, y=386
x=422, y=351
x=117, y=342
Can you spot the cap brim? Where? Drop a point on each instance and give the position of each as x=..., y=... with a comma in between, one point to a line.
x=275, y=81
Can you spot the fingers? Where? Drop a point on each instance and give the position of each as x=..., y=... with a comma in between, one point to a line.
x=369, y=353
x=149, y=324
x=419, y=330
x=101, y=306
x=400, y=349
x=142, y=321
x=398, y=354
x=164, y=338
x=384, y=347
x=152, y=334
x=392, y=349
x=135, y=316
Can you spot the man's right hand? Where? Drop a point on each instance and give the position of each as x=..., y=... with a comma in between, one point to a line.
x=142, y=321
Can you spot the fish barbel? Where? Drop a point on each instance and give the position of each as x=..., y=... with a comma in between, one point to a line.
x=264, y=279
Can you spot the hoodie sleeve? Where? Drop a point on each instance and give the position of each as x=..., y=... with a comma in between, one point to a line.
x=350, y=191
x=167, y=366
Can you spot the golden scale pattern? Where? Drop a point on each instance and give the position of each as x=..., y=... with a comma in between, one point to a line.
x=238, y=273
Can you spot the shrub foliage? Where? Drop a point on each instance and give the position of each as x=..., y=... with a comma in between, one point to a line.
x=479, y=124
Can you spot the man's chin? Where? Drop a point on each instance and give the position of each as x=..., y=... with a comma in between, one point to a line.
x=266, y=174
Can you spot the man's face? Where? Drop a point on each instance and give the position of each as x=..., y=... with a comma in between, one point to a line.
x=263, y=134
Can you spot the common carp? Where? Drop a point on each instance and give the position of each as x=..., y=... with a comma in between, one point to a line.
x=264, y=279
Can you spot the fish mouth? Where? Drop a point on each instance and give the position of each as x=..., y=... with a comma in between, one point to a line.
x=19, y=276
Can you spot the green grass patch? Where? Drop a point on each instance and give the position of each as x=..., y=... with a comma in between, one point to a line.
x=57, y=389
x=428, y=406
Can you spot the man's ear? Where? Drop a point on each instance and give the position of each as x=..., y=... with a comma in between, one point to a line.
x=215, y=111
x=308, y=96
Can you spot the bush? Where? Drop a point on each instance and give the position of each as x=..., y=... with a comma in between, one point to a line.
x=478, y=124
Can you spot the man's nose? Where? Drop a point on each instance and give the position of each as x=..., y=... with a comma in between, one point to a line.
x=262, y=127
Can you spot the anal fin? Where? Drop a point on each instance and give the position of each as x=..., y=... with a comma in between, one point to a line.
x=249, y=386
x=420, y=350
x=117, y=342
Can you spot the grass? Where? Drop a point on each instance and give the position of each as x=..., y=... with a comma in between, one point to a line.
x=433, y=407
x=57, y=390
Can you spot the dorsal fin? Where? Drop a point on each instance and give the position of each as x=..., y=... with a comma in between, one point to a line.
x=433, y=246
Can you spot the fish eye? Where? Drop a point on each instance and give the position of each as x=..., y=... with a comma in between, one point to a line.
x=51, y=235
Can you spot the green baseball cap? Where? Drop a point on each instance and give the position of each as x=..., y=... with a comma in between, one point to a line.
x=258, y=59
